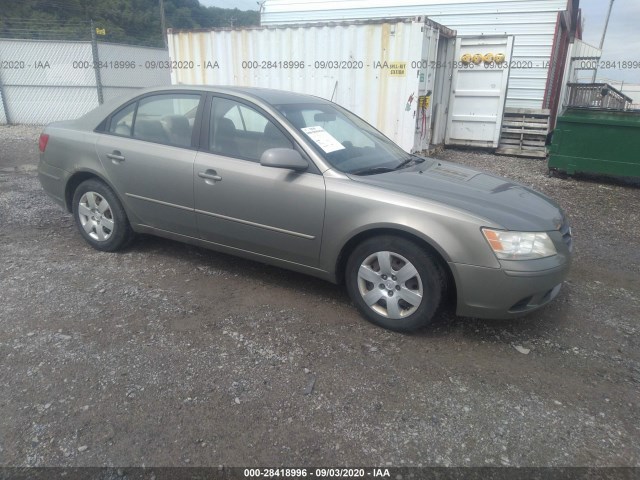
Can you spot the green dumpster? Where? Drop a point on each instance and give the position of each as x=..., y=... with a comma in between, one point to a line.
x=596, y=141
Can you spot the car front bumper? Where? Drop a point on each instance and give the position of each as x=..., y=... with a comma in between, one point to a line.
x=499, y=293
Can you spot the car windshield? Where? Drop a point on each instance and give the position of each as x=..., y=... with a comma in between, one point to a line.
x=347, y=142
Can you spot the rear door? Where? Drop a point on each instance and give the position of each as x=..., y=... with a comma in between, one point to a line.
x=479, y=89
x=148, y=154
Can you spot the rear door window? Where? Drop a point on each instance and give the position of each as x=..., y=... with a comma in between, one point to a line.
x=166, y=118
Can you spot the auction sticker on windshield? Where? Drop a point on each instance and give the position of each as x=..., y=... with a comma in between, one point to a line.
x=323, y=139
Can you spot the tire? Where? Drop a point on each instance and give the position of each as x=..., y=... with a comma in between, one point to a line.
x=385, y=295
x=100, y=217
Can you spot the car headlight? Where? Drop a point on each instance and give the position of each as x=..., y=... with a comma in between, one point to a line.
x=519, y=245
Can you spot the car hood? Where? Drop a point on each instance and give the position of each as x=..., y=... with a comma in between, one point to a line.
x=497, y=199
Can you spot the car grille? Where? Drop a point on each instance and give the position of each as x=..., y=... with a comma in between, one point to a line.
x=565, y=230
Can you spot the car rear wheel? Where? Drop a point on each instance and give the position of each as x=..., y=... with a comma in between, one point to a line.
x=395, y=283
x=100, y=217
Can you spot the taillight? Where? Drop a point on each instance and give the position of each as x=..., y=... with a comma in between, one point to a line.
x=44, y=138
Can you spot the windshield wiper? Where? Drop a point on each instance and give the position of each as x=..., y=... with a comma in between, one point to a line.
x=412, y=158
x=372, y=170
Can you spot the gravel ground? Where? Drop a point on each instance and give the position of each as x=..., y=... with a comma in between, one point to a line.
x=172, y=355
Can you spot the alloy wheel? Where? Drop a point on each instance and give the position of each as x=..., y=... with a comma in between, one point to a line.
x=96, y=216
x=390, y=285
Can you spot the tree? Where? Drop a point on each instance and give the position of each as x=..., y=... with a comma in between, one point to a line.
x=135, y=22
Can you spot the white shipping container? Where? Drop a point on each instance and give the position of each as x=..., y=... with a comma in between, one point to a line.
x=532, y=23
x=393, y=73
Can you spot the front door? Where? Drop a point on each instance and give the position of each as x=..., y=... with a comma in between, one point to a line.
x=239, y=203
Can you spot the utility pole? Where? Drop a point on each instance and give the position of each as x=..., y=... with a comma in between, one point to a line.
x=604, y=34
x=3, y=99
x=163, y=26
x=260, y=9
x=96, y=62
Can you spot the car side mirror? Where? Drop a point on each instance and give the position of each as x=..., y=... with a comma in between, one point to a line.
x=284, y=158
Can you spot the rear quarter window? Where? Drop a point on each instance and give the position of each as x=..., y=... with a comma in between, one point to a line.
x=122, y=121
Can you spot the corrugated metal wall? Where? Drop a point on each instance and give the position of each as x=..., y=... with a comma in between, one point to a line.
x=532, y=22
x=555, y=77
x=377, y=95
x=55, y=80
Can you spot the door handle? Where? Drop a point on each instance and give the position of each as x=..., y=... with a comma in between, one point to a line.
x=115, y=156
x=210, y=176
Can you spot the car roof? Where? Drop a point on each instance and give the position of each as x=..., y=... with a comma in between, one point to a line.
x=93, y=118
x=271, y=96
x=267, y=95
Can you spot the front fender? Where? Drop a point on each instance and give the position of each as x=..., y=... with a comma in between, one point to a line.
x=353, y=208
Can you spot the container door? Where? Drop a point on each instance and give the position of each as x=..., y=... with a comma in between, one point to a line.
x=442, y=90
x=479, y=89
x=426, y=81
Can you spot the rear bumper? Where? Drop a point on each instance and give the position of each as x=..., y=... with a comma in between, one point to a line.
x=497, y=293
x=53, y=181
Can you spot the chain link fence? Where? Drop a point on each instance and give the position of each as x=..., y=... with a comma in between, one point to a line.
x=42, y=81
x=126, y=68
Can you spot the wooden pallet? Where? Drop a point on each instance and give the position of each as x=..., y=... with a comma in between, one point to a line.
x=524, y=132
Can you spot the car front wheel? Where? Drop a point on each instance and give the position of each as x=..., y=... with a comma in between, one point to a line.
x=100, y=216
x=395, y=283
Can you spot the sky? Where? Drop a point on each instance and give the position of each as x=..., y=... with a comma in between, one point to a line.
x=622, y=42
x=239, y=4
